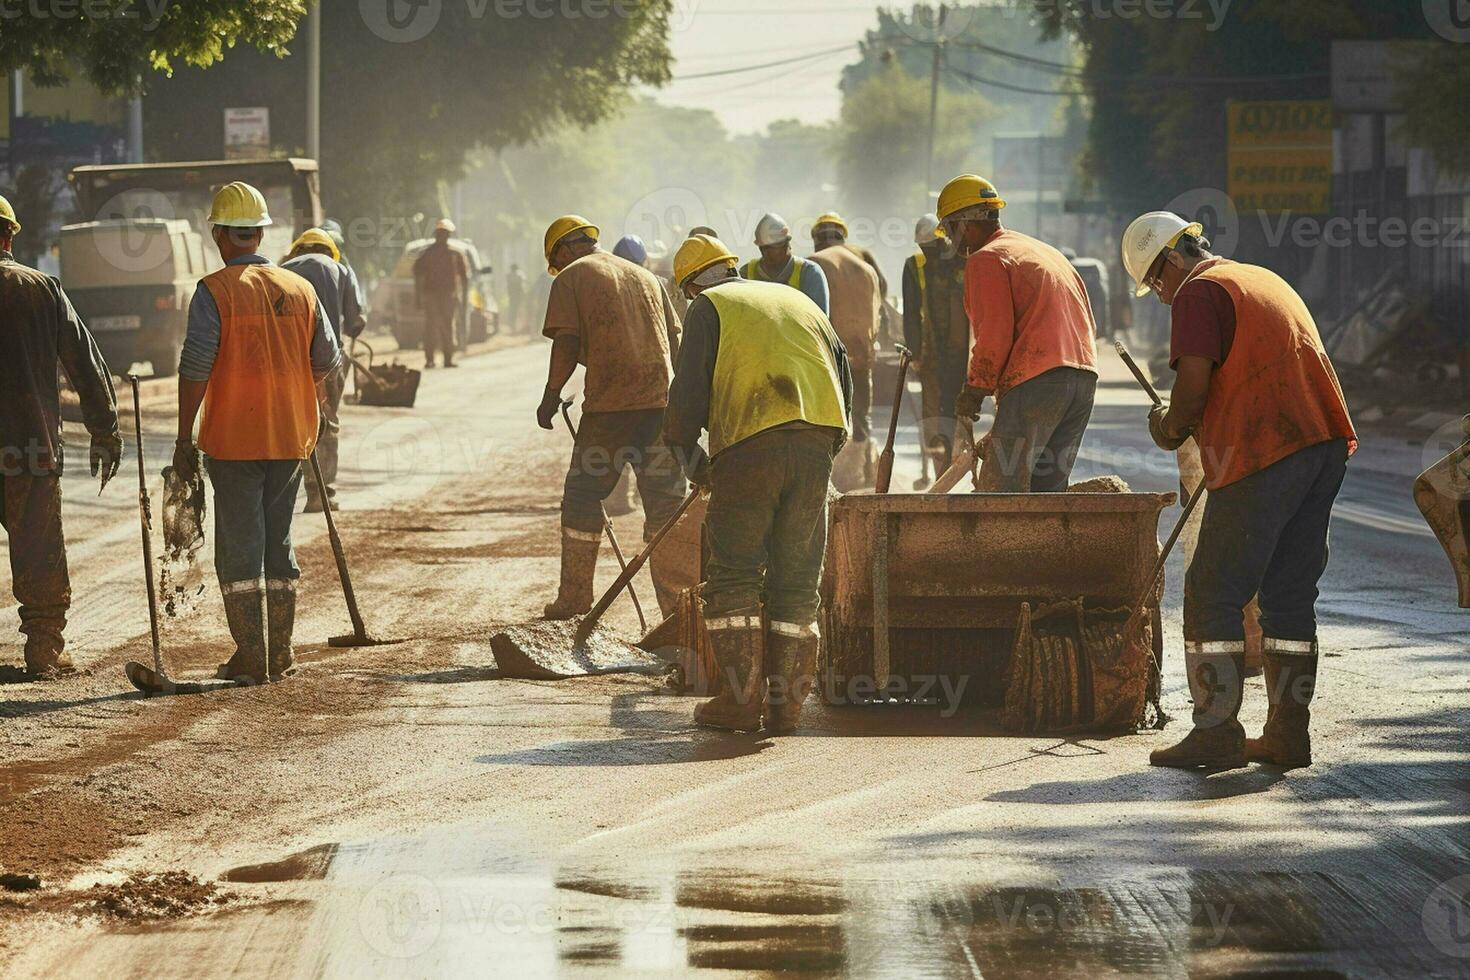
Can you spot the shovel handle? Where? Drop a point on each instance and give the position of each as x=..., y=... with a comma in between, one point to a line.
x=145, y=516
x=885, y=461
x=358, y=629
x=1138, y=374
x=1158, y=572
x=590, y=620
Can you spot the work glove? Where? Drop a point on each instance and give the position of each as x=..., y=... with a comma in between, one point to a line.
x=106, y=457
x=546, y=411
x=969, y=402
x=186, y=460
x=697, y=469
x=1161, y=438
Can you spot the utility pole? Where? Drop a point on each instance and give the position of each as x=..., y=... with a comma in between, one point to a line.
x=135, y=129
x=934, y=97
x=17, y=109
x=314, y=81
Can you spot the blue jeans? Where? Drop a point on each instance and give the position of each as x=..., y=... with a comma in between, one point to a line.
x=254, y=501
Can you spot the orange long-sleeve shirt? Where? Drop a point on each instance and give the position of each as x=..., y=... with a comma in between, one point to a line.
x=1028, y=312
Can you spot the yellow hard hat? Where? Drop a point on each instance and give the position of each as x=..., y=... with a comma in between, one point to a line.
x=698, y=253
x=319, y=238
x=831, y=218
x=561, y=228
x=7, y=214
x=968, y=191
x=239, y=205
x=1148, y=237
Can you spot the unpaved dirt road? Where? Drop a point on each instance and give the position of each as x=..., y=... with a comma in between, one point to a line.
x=402, y=811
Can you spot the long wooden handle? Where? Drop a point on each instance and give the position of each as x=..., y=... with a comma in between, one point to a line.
x=358, y=629
x=590, y=620
x=885, y=462
x=1137, y=372
x=1158, y=572
x=145, y=517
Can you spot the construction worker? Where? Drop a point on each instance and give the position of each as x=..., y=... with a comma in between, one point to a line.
x=762, y=370
x=1035, y=343
x=515, y=295
x=614, y=318
x=936, y=331
x=830, y=230
x=259, y=345
x=315, y=258
x=441, y=282
x=39, y=333
x=777, y=263
x=333, y=228
x=631, y=247
x=1257, y=391
x=856, y=314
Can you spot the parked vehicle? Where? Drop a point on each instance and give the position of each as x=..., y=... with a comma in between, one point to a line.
x=395, y=309
x=132, y=281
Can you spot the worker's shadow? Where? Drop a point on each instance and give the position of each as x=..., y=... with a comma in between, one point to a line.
x=656, y=730
x=1149, y=785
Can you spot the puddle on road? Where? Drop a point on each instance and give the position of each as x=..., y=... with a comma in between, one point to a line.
x=456, y=900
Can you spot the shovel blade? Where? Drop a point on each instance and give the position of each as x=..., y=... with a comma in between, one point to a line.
x=154, y=684
x=555, y=650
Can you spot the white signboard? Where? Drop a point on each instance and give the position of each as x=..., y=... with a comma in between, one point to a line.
x=247, y=133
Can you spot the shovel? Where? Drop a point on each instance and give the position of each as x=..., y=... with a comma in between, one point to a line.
x=359, y=637
x=885, y=460
x=156, y=680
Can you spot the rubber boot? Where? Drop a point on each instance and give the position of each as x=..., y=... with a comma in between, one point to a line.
x=791, y=668
x=1291, y=680
x=667, y=581
x=46, y=656
x=1217, y=685
x=245, y=612
x=737, y=642
x=578, y=568
x=280, y=624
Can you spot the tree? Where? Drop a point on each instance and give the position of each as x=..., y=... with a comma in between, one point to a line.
x=136, y=38
x=1438, y=113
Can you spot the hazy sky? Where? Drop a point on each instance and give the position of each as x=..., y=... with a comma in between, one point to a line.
x=717, y=35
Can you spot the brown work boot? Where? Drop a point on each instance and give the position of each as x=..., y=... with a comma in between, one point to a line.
x=280, y=624
x=578, y=568
x=1217, y=741
x=46, y=657
x=791, y=668
x=1291, y=680
x=245, y=612
x=737, y=642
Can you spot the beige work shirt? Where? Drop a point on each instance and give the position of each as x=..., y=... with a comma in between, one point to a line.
x=628, y=330
x=856, y=303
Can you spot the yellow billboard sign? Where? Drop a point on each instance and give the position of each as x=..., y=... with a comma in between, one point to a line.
x=1280, y=156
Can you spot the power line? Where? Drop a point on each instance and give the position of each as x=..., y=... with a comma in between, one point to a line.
x=980, y=80
x=769, y=64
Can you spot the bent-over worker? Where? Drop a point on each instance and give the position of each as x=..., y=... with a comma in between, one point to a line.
x=1257, y=391
x=614, y=318
x=39, y=333
x=258, y=347
x=762, y=370
x=1035, y=343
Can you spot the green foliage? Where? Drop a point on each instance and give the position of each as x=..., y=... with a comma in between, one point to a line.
x=1438, y=116
x=137, y=37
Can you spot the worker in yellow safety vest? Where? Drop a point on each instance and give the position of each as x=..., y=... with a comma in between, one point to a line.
x=936, y=331
x=258, y=346
x=763, y=372
x=777, y=263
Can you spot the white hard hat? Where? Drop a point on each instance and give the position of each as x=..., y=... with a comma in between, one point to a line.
x=927, y=230
x=1148, y=237
x=444, y=224
x=772, y=230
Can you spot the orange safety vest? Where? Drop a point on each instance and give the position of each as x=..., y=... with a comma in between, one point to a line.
x=1277, y=392
x=261, y=400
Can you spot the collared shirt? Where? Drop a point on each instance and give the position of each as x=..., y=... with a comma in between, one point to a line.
x=201, y=341
x=39, y=330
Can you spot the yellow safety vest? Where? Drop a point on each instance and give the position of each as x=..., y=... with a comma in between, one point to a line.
x=774, y=364
x=755, y=273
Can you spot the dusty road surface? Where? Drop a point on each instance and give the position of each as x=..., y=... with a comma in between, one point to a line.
x=402, y=811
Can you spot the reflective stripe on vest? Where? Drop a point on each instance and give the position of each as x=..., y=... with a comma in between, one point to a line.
x=755, y=273
x=774, y=364
x=1277, y=392
x=261, y=399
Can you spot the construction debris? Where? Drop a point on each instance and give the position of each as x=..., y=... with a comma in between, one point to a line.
x=149, y=896
x=548, y=650
x=1101, y=484
x=180, y=577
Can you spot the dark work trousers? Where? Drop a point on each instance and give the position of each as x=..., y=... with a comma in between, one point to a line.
x=254, y=502
x=331, y=438
x=1038, y=432
x=767, y=524
x=1266, y=533
x=608, y=441
x=30, y=512
x=862, y=404
x=440, y=309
